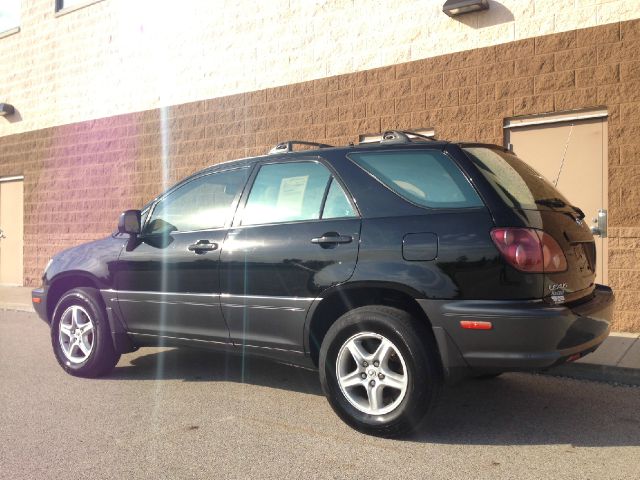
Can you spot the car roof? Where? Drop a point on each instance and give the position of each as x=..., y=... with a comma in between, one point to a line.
x=436, y=144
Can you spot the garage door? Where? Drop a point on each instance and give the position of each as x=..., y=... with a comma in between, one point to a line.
x=571, y=152
x=11, y=230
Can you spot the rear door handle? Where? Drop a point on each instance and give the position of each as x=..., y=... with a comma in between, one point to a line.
x=332, y=238
x=202, y=246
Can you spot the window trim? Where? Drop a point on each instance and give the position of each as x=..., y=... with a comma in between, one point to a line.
x=232, y=208
x=237, y=220
x=402, y=197
x=61, y=10
x=325, y=195
x=9, y=32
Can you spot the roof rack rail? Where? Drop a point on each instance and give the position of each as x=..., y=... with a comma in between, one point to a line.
x=402, y=136
x=287, y=147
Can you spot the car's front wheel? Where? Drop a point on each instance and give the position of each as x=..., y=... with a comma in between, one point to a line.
x=379, y=370
x=80, y=334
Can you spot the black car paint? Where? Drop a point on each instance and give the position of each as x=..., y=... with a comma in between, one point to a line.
x=97, y=260
x=159, y=278
x=276, y=268
x=269, y=279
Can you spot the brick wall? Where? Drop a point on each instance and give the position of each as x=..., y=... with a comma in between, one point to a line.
x=79, y=177
x=118, y=56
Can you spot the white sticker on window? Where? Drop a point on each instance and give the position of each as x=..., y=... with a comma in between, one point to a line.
x=291, y=194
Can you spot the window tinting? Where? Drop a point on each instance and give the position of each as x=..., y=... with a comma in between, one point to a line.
x=200, y=204
x=337, y=205
x=428, y=177
x=9, y=14
x=518, y=184
x=286, y=192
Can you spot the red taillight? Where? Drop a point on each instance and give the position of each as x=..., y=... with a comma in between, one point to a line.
x=529, y=250
x=554, y=259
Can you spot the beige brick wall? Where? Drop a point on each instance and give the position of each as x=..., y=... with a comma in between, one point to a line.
x=120, y=56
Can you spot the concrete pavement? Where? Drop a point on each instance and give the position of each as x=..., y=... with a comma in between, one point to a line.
x=184, y=413
x=617, y=360
x=16, y=298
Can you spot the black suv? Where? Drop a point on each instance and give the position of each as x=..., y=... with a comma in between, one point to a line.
x=393, y=267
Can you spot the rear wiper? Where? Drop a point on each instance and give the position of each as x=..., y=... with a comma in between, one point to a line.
x=578, y=211
x=552, y=202
x=556, y=202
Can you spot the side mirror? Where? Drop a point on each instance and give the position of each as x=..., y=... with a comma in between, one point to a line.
x=129, y=222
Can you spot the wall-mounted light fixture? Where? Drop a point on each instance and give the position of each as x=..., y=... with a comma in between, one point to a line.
x=6, y=109
x=458, y=7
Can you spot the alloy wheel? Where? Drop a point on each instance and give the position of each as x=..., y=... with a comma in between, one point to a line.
x=76, y=334
x=372, y=373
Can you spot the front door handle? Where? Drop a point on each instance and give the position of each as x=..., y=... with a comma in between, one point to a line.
x=202, y=246
x=2, y=235
x=332, y=238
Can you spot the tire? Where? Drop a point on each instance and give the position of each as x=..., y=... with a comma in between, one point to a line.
x=411, y=374
x=80, y=334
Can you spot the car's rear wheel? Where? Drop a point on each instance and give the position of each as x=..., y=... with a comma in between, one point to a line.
x=80, y=334
x=379, y=370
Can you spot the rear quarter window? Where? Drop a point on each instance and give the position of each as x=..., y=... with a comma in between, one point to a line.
x=428, y=178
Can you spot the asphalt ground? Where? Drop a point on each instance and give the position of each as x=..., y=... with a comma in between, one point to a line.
x=179, y=413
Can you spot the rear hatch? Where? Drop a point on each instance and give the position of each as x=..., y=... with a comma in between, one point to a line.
x=575, y=239
x=543, y=207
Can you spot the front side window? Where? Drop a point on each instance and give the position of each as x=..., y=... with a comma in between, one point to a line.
x=428, y=178
x=200, y=204
x=9, y=15
x=294, y=191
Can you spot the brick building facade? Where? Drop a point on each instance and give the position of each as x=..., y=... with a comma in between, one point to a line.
x=78, y=176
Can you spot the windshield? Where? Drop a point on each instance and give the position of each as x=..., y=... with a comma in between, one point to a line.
x=519, y=185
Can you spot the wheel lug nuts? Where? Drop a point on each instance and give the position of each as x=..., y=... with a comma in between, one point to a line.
x=365, y=364
x=363, y=375
x=376, y=363
x=381, y=376
x=372, y=383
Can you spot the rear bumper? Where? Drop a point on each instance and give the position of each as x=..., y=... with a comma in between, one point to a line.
x=39, y=301
x=525, y=335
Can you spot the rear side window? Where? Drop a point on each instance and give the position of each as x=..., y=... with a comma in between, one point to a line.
x=428, y=178
x=337, y=205
x=295, y=191
x=518, y=184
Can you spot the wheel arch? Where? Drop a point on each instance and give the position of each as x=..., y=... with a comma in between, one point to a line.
x=60, y=284
x=342, y=298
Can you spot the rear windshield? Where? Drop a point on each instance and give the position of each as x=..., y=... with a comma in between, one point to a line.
x=428, y=177
x=519, y=185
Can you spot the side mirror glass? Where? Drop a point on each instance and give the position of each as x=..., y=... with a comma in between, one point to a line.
x=129, y=222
